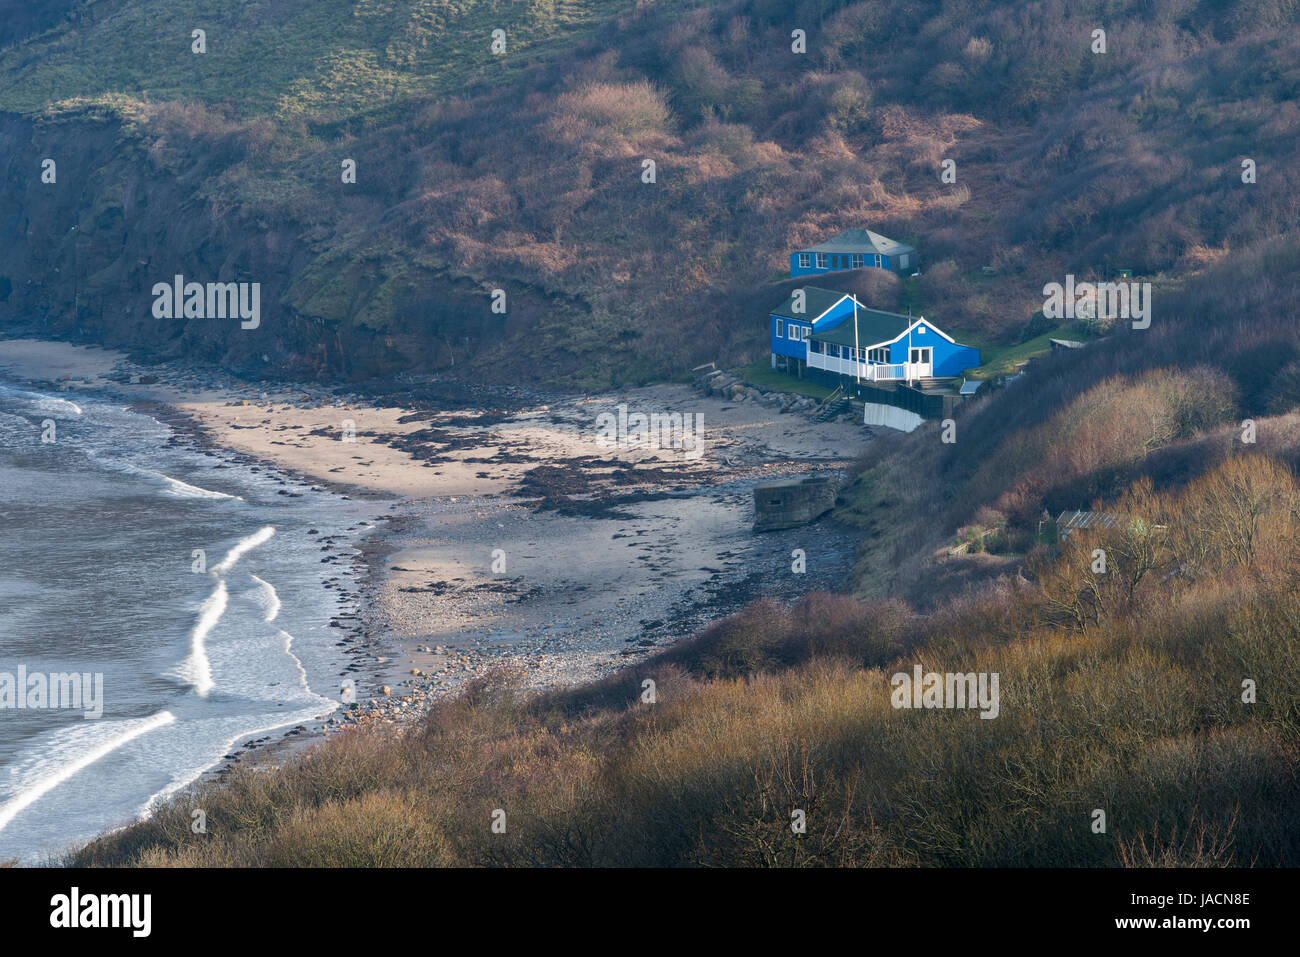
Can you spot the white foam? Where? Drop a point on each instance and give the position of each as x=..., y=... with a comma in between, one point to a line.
x=46, y=403
x=268, y=598
x=52, y=405
x=302, y=672
x=179, y=489
x=49, y=781
x=242, y=548
x=171, y=486
x=185, y=778
x=197, y=670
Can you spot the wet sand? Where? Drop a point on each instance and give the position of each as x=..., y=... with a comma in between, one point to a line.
x=516, y=537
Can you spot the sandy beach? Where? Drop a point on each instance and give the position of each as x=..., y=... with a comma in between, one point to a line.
x=517, y=536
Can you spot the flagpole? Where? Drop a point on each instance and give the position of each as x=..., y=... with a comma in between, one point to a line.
x=857, y=369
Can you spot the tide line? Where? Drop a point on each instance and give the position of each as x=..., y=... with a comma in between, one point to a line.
x=11, y=808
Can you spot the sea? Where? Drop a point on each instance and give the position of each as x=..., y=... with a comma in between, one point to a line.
x=188, y=586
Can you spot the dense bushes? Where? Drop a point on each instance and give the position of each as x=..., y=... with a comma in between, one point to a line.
x=1168, y=402
x=1116, y=422
x=1243, y=517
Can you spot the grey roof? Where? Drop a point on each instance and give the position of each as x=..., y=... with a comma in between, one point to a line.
x=816, y=301
x=791, y=482
x=970, y=386
x=1073, y=518
x=874, y=326
x=860, y=241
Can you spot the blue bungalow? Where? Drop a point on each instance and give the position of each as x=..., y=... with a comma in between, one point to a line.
x=835, y=336
x=853, y=249
x=792, y=323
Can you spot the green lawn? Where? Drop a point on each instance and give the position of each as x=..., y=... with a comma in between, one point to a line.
x=1002, y=360
x=998, y=360
x=761, y=375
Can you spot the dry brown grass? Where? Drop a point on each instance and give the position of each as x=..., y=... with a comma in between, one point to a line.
x=1137, y=710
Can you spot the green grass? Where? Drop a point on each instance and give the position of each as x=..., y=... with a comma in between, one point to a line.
x=762, y=376
x=1000, y=360
x=910, y=298
x=292, y=59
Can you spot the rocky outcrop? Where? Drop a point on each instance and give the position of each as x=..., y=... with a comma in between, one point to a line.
x=727, y=386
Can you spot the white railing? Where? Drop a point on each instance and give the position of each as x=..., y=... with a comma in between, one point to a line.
x=901, y=370
x=866, y=371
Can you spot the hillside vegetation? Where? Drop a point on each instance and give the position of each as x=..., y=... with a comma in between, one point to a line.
x=1134, y=707
x=522, y=171
x=1164, y=403
x=1161, y=689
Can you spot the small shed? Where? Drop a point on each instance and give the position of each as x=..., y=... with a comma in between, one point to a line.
x=1072, y=520
x=1066, y=344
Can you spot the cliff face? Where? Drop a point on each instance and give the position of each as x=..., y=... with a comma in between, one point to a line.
x=80, y=255
x=219, y=181
x=526, y=170
x=79, y=258
x=133, y=205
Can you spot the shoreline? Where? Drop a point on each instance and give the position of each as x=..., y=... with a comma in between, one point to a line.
x=512, y=539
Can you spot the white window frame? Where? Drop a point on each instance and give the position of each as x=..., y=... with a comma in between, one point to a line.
x=780, y=328
x=806, y=332
x=823, y=261
x=878, y=261
x=902, y=260
x=857, y=260
x=805, y=261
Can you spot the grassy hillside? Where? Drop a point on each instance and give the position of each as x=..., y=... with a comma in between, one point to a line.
x=291, y=60
x=522, y=172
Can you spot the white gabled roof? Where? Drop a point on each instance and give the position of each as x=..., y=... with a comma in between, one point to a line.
x=929, y=328
x=839, y=334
